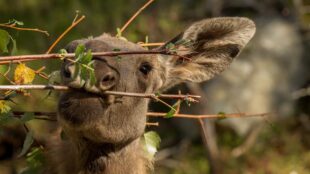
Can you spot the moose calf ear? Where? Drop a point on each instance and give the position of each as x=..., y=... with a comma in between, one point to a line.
x=211, y=45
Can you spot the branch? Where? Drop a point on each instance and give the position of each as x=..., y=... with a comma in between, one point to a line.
x=190, y=98
x=135, y=15
x=25, y=58
x=75, y=22
x=51, y=116
x=233, y=115
x=152, y=124
x=151, y=44
x=24, y=29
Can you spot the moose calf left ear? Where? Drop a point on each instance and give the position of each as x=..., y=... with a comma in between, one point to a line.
x=211, y=45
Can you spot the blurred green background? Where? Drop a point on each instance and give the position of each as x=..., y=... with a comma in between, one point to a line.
x=280, y=147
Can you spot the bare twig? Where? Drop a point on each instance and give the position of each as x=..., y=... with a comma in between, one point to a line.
x=151, y=44
x=25, y=58
x=51, y=116
x=135, y=15
x=24, y=29
x=190, y=98
x=233, y=115
x=39, y=72
x=152, y=124
x=75, y=22
x=9, y=80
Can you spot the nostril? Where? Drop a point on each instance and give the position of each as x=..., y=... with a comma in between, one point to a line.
x=108, y=78
x=108, y=81
x=67, y=73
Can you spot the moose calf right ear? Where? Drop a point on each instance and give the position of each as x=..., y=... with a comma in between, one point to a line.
x=211, y=45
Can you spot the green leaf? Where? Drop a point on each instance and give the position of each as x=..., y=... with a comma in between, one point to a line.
x=4, y=108
x=84, y=73
x=171, y=113
x=27, y=117
x=54, y=77
x=77, y=70
x=80, y=49
x=86, y=58
x=170, y=46
x=157, y=94
x=35, y=160
x=146, y=39
x=92, y=78
x=14, y=21
x=62, y=51
x=14, y=47
x=4, y=41
x=222, y=115
x=119, y=33
x=27, y=144
x=152, y=141
x=35, y=156
x=6, y=118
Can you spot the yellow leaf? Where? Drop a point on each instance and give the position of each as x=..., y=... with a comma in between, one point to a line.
x=4, y=108
x=23, y=74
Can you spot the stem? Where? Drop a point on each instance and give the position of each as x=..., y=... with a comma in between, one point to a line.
x=135, y=15
x=24, y=58
x=51, y=116
x=64, y=33
x=24, y=29
x=128, y=94
x=233, y=115
x=151, y=44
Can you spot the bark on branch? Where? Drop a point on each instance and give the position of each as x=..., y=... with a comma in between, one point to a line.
x=25, y=58
x=190, y=98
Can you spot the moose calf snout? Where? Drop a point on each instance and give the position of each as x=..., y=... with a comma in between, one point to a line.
x=106, y=77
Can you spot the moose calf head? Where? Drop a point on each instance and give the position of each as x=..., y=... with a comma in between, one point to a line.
x=86, y=113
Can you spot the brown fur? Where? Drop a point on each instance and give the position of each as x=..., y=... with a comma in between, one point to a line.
x=103, y=132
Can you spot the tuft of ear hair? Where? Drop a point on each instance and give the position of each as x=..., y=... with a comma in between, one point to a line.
x=211, y=44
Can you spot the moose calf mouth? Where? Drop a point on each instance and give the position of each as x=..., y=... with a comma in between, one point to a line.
x=77, y=107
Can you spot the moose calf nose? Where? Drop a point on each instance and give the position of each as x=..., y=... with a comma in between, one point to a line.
x=68, y=71
x=108, y=80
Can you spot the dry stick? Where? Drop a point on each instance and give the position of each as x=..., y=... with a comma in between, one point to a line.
x=39, y=72
x=151, y=44
x=51, y=116
x=75, y=22
x=191, y=98
x=135, y=15
x=152, y=124
x=24, y=58
x=188, y=116
x=9, y=80
x=24, y=29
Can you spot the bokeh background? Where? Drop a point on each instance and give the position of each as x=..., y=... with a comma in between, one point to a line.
x=271, y=75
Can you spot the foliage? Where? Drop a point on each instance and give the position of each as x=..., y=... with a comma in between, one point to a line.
x=4, y=41
x=23, y=74
x=35, y=160
x=173, y=110
x=84, y=66
x=151, y=141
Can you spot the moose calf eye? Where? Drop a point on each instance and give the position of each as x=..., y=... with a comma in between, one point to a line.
x=145, y=68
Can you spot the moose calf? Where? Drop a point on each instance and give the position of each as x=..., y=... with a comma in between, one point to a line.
x=103, y=134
